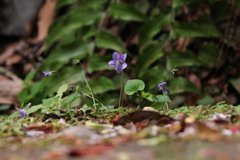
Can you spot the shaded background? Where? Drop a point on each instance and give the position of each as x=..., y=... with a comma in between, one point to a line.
x=198, y=37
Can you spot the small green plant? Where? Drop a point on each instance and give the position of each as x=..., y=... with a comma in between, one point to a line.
x=119, y=63
x=62, y=106
x=137, y=86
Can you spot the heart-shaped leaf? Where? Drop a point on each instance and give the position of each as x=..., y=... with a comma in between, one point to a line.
x=133, y=86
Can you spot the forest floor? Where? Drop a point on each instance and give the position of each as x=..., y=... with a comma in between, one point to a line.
x=138, y=135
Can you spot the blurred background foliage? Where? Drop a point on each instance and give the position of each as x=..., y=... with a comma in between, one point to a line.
x=200, y=38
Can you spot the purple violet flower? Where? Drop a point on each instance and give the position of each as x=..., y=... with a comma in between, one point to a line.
x=162, y=87
x=118, y=61
x=47, y=74
x=23, y=112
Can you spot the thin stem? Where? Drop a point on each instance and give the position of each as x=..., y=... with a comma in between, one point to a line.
x=90, y=89
x=92, y=97
x=165, y=102
x=59, y=79
x=121, y=89
x=140, y=99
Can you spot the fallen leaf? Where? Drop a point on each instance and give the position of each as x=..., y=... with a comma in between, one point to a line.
x=206, y=133
x=9, y=51
x=143, y=116
x=9, y=91
x=91, y=150
x=195, y=80
x=46, y=17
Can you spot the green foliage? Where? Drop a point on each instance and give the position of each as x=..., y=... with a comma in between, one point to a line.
x=73, y=97
x=74, y=20
x=203, y=112
x=107, y=40
x=100, y=85
x=179, y=3
x=126, y=12
x=149, y=55
x=137, y=86
x=153, y=26
x=158, y=38
x=155, y=98
x=133, y=86
x=182, y=58
x=181, y=84
x=98, y=63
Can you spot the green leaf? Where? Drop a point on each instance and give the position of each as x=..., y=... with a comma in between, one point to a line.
x=63, y=54
x=182, y=58
x=151, y=79
x=179, y=85
x=73, y=97
x=208, y=27
x=161, y=98
x=64, y=3
x=68, y=74
x=237, y=109
x=93, y=4
x=71, y=21
x=147, y=96
x=34, y=109
x=155, y=98
x=186, y=29
x=100, y=85
x=152, y=27
x=31, y=91
x=107, y=40
x=126, y=12
x=13, y=115
x=62, y=89
x=133, y=86
x=179, y=3
x=236, y=84
x=99, y=62
x=148, y=56
x=29, y=77
x=208, y=54
x=206, y=100
x=49, y=102
x=4, y=107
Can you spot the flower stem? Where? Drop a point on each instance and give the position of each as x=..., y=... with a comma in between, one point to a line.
x=165, y=102
x=121, y=90
x=91, y=97
x=140, y=99
x=59, y=79
x=90, y=89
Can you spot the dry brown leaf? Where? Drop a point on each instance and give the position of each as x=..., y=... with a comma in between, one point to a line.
x=91, y=150
x=18, y=57
x=195, y=80
x=9, y=91
x=2, y=77
x=182, y=43
x=9, y=51
x=46, y=17
x=152, y=117
x=206, y=133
